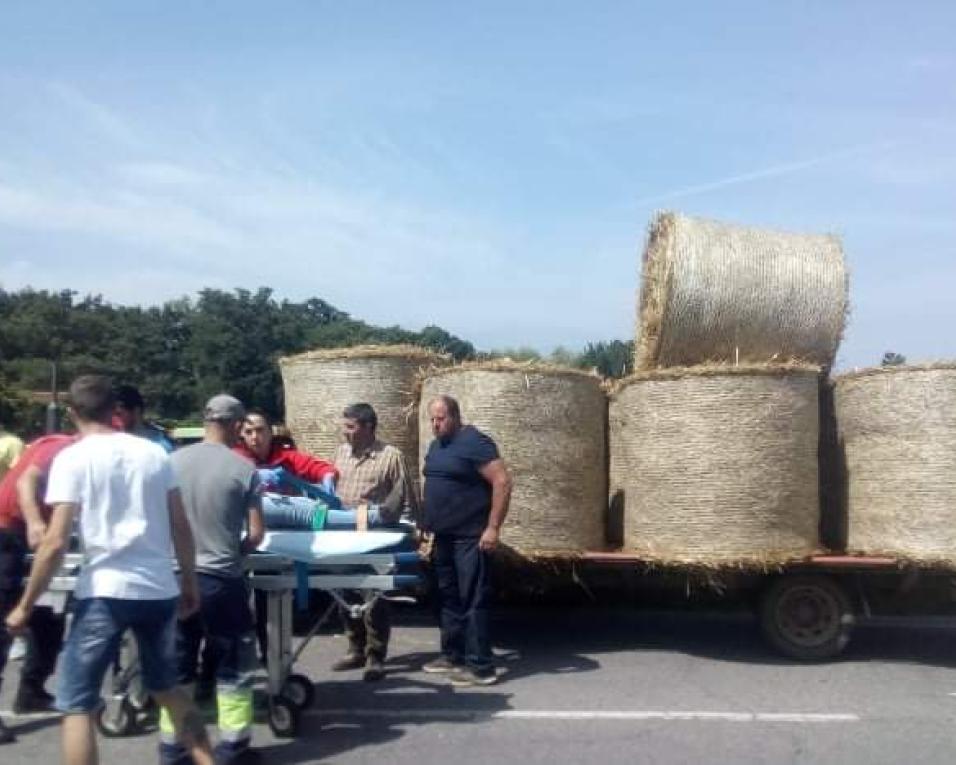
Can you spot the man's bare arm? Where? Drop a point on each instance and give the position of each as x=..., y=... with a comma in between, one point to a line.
x=256, y=530
x=183, y=542
x=496, y=474
x=185, y=548
x=28, y=487
x=46, y=562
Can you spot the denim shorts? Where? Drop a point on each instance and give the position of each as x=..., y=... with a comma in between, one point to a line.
x=93, y=642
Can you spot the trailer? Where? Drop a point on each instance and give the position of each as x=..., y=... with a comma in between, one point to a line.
x=807, y=609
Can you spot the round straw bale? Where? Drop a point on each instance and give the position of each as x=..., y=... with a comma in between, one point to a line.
x=897, y=430
x=713, y=292
x=319, y=384
x=717, y=465
x=550, y=427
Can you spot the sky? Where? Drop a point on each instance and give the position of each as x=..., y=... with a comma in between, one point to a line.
x=490, y=167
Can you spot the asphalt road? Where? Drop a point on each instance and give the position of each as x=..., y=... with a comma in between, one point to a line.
x=609, y=686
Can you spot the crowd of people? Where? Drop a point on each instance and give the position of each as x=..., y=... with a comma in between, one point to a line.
x=164, y=534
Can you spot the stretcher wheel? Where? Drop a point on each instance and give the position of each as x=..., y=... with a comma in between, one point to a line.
x=283, y=717
x=116, y=719
x=299, y=690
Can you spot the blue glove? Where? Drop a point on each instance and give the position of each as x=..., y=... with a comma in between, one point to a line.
x=270, y=478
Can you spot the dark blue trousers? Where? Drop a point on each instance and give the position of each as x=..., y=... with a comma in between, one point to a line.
x=464, y=589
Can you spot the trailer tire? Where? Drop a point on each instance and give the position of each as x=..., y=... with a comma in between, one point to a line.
x=807, y=617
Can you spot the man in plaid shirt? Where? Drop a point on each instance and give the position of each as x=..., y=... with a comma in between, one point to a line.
x=370, y=472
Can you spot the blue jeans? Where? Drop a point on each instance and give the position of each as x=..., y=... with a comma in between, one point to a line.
x=464, y=590
x=283, y=512
x=93, y=642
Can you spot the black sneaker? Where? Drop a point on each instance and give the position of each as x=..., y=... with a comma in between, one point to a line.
x=466, y=677
x=6, y=735
x=374, y=670
x=31, y=701
x=443, y=665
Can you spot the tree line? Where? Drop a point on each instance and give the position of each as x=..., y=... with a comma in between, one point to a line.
x=185, y=350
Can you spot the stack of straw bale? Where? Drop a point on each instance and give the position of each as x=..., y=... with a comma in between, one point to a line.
x=550, y=427
x=718, y=293
x=320, y=384
x=897, y=430
x=717, y=465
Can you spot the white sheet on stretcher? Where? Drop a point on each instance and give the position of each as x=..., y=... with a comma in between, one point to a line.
x=312, y=546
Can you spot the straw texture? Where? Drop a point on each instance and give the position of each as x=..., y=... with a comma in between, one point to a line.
x=320, y=384
x=550, y=428
x=713, y=292
x=717, y=468
x=897, y=430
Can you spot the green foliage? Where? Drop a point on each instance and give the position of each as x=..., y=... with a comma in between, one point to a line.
x=893, y=359
x=521, y=353
x=179, y=353
x=185, y=350
x=610, y=359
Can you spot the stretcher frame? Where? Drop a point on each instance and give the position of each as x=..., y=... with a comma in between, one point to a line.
x=280, y=578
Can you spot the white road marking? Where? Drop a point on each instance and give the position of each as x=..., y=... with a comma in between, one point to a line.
x=572, y=714
x=29, y=715
x=549, y=714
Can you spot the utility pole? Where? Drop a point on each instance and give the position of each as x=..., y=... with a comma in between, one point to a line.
x=53, y=408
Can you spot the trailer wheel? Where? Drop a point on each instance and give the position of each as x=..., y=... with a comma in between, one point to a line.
x=807, y=617
x=283, y=717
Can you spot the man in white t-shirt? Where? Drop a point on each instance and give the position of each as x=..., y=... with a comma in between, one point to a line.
x=131, y=519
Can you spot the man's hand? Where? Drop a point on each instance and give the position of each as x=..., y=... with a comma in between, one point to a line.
x=489, y=539
x=18, y=620
x=188, y=597
x=35, y=532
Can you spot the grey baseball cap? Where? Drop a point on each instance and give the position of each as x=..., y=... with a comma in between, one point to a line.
x=223, y=407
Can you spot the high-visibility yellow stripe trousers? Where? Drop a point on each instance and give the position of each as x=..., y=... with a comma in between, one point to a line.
x=224, y=624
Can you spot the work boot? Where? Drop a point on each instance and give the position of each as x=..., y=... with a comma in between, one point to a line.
x=443, y=665
x=6, y=735
x=374, y=670
x=349, y=661
x=30, y=700
x=466, y=677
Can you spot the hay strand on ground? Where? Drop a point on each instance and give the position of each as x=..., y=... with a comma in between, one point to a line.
x=897, y=432
x=714, y=292
x=717, y=469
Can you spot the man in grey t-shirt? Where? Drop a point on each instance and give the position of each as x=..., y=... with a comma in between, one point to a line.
x=221, y=494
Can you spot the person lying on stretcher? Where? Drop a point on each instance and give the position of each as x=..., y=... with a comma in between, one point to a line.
x=319, y=509
x=262, y=449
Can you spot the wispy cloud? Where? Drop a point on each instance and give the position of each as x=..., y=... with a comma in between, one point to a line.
x=772, y=171
x=161, y=174
x=100, y=116
x=129, y=218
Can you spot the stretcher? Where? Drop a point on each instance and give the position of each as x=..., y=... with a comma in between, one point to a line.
x=286, y=567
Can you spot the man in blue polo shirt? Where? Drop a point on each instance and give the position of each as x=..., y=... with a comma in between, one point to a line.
x=467, y=491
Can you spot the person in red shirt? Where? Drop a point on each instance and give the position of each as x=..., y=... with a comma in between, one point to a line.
x=23, y=520
x=259, y=447
x=264, y=451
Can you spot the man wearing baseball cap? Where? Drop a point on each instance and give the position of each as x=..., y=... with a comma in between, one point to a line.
x=220, y=493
